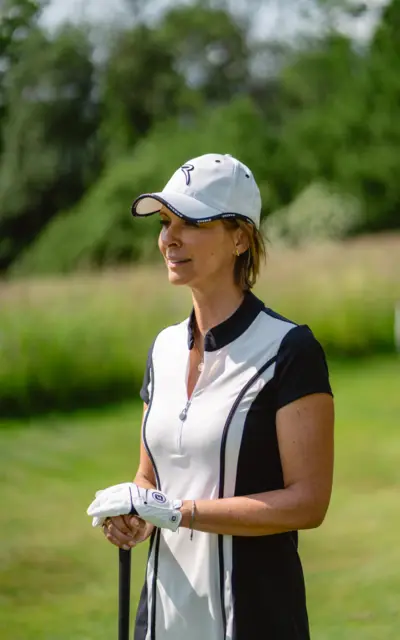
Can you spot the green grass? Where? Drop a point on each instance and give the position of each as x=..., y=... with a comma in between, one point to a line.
x=80, y=341
x=58, y=576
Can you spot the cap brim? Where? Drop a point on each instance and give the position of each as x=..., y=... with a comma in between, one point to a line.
x=182, y=205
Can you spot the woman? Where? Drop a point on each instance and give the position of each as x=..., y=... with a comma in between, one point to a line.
x=237, y=435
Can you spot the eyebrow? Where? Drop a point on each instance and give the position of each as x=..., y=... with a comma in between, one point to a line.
x=164, y=212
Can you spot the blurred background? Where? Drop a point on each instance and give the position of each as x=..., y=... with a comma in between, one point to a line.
x=101, y=101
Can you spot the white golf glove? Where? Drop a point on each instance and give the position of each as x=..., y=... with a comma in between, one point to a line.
x=127, y=498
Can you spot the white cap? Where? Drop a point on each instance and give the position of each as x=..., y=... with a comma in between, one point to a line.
x=207, y=188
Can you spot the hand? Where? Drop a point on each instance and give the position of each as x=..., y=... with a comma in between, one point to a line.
x=126, y=531
x=128, y=498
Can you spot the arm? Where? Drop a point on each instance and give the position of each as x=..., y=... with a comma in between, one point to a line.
x=305, y=437
x=145, y=476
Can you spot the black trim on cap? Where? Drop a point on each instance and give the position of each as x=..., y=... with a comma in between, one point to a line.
x=217, y=216
x=233, y=327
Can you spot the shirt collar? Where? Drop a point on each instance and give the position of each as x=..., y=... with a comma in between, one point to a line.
x=231, y=328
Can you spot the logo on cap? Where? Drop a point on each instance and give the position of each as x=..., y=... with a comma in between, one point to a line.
x=187, y=168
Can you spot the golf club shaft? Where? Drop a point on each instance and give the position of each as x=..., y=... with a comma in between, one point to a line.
x=124, y=594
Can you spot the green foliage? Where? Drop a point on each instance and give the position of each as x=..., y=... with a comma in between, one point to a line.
x=72, y=347
x=16, y=15
x=139, y=87
x=318, y=213
x=194, y=57
x=341, y=125
x=18, y=18
x=84, y=340
x=48, y=156
x=319, y=110
x=372, y=165
x=213, y=55
x=103, y=230
x=312, y=137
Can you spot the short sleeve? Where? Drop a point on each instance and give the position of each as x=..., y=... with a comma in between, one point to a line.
x=301, y=367
x=145, y=390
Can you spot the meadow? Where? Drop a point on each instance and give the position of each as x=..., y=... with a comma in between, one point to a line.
x=58, y=576
x=82, y=340
x=72, y=353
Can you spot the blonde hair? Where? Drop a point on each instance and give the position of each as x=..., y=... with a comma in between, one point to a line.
x=248, y=264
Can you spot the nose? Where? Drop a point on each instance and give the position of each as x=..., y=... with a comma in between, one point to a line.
x=170, y=236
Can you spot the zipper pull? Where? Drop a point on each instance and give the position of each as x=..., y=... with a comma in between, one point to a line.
x=183, y=414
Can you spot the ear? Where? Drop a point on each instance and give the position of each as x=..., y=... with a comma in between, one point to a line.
x=241, y=241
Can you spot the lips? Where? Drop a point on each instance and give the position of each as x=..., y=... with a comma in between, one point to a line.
x=176, y=261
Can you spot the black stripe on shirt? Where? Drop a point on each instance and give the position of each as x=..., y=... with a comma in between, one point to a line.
x=222, y=478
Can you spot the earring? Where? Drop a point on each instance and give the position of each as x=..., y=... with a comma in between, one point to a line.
x=237, y=252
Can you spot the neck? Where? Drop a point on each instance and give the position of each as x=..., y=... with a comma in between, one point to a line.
x=213, y=307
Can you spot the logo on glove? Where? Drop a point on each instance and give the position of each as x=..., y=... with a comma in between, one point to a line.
x=159, y=497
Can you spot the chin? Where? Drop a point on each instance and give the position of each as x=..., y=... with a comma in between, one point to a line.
x=177, y=280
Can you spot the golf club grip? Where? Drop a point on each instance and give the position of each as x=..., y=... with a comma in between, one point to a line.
x=124, y=594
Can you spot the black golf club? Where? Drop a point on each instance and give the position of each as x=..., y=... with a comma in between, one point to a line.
x=124, y=594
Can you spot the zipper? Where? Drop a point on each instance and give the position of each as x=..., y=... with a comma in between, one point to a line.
x=184, y=413
x=182, y=418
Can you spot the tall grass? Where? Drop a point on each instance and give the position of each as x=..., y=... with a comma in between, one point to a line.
x=83, y=340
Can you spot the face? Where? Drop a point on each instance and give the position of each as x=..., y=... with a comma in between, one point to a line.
x=198, y=255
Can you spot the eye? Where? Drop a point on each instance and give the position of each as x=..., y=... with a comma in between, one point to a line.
x=164, y=223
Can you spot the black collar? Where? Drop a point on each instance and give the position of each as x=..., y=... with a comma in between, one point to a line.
x=231, y=328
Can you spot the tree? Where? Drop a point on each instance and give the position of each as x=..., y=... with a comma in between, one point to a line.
x=308, y=128
x=210, y=49
x=376, y=172
x=191, y=57
x=338, y=121
x=49, y=135
x=139, y=87
x=17, y=20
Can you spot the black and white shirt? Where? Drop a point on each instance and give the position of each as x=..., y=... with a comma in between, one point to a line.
x=223, y=443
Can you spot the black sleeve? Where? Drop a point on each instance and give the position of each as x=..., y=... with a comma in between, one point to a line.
x=145, y=389
x=301, y=367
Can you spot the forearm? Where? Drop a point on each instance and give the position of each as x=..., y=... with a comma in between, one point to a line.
x=142, y=481
x=256, y=515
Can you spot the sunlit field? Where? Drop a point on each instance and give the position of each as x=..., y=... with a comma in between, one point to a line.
x=58, y=576
x=82, y=340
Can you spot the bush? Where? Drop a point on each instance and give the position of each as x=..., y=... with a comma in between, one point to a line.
x=318, y=213
x=77, y=342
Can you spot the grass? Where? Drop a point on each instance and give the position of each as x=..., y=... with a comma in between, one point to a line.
x=82, y=340
x=58, y=577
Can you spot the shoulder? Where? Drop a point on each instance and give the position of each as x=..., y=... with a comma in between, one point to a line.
x=300, y=362
x=289, y=335
x=272, y=329
x=169, y=338
x=301, y=368
x=299, y=338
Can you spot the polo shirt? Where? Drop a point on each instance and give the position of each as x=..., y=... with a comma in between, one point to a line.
x=220, y=443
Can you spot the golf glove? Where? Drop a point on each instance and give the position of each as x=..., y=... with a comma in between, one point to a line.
x=127, y=498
